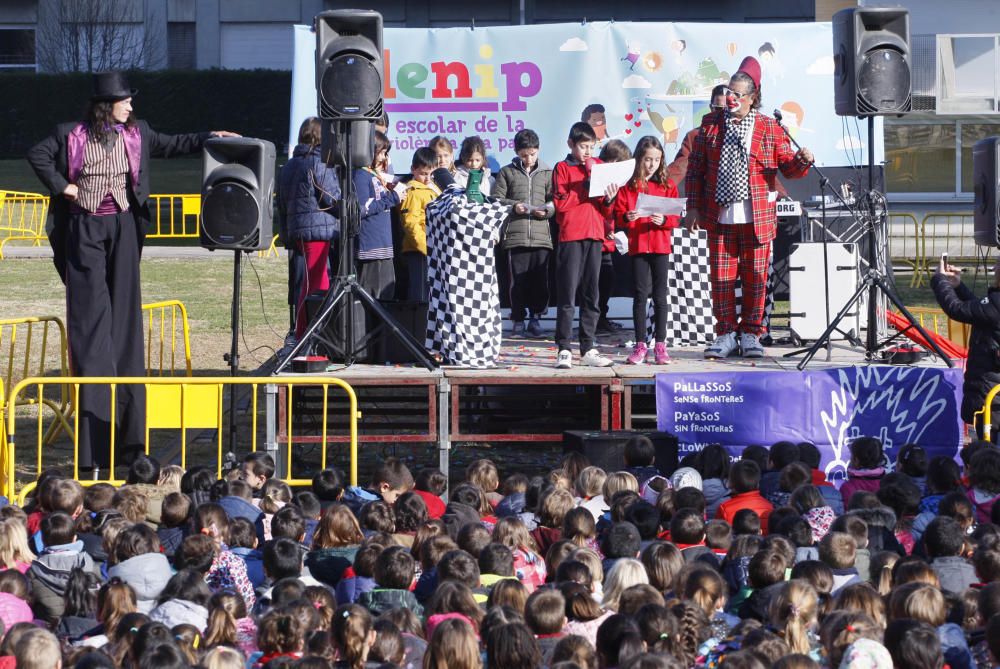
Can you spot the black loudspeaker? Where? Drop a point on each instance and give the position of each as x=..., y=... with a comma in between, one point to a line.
x=349, y=64
x=237, y=194
x=986, y=214
x=333, y=149
x=412, y=316
x=872, y=65
x=335, y=331
x=607, y=449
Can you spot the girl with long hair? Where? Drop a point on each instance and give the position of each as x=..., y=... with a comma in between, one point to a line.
x=14, y=550
x=529, y=567
x=453, y=645
x=229, y=623
x=352, y=633
x=793, y=613
x=649, y=245
x=377, y=196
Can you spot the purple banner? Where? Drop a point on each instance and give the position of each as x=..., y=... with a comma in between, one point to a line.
x=829, y=408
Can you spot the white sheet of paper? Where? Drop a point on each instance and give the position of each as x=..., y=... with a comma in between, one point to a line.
x=603, y=175
x=621, y=242
x=648, y=205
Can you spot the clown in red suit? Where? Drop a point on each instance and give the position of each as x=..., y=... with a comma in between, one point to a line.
x=731, y=188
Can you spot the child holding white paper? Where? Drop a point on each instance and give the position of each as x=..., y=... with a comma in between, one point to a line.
x=377, y=195
x=614, y=151
x=649, y=246
x=580, y=219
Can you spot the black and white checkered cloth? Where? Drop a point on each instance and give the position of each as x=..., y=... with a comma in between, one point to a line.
x=689, y=292
x=463, y=311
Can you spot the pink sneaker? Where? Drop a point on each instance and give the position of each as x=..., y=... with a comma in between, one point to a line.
x=660, y=353
x=638, y=354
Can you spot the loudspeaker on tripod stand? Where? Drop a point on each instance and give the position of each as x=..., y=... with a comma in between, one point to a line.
x=337, y=347
x=871, y=52
x=986, y=180
x=237, y=194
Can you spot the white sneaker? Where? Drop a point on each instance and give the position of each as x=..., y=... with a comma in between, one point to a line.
x=751, y=346
x=564, y=360
x=593, y=358
x=723, y=346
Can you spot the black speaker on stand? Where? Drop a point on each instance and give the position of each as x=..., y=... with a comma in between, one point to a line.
x=871, y=51
x=349, y=89
x=237, y=209
x=986, y=180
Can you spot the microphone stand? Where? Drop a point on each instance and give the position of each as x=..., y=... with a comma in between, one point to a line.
x=872, y=282
x=823, y=183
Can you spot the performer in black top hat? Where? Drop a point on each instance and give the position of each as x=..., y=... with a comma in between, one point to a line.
x=97, y=172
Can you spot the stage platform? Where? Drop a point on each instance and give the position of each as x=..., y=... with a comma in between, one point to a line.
x=524, y=399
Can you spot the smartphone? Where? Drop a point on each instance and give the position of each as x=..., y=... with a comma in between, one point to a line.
x=944, y=259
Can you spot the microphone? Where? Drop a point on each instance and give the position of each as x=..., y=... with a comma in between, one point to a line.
x=777, y=115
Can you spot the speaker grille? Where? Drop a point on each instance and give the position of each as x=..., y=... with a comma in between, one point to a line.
x=229, y=216
x=883, y=82
x=351, y=86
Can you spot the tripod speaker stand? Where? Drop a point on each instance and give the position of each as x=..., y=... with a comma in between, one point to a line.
x=872, y=282
x=346, y=289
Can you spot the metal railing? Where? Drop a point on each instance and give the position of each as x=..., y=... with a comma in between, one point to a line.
x=175, y=215
x=22, y=217
x=175, y=403
x=165, y=322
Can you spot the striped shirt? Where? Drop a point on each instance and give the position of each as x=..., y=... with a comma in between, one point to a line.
x=103, y=179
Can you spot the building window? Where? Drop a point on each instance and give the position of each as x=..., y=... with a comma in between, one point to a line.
x=920, y=158
x=181, y=50
x=972, y=132
x=17, y=48
x=967, y=74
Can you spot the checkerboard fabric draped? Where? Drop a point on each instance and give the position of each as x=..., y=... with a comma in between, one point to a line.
x=463, y=312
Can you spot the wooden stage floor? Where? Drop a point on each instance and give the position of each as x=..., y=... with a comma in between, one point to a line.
x=534, y=358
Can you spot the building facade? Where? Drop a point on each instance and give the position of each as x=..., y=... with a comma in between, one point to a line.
x=955, y=49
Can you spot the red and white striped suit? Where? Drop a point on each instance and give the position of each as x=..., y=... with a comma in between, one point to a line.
x=745, y=248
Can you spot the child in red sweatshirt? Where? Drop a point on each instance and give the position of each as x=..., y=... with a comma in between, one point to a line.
x=580, y=219
x=649, y=246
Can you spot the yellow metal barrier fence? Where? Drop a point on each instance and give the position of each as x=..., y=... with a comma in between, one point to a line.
x=175, y=216
x=905, y=229
x=36, y=346
x=940, y=232
x=987, y=411
x=22, y=216
x=936, y=321
x=165, y=322
x=171, y=403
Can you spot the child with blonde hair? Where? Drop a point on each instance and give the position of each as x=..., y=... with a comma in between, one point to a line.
x=14, y=550
x=170, y=478
x=529, y=567
x=485, y=475
x=794, y=613
x=626, y=573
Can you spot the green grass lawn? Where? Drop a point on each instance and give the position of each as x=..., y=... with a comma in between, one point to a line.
x=31, y=287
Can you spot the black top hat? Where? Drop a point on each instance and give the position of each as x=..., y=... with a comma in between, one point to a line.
x=112, y=86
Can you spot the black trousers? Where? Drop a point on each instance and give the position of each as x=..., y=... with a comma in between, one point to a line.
x=649, y=279
x=104, y=326
x=578, y=266
x=606, y=283
x=529, y=282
